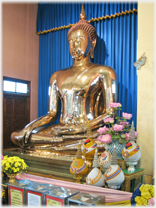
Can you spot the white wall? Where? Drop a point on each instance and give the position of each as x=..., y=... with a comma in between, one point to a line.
x=145, y=99
x=20, y=47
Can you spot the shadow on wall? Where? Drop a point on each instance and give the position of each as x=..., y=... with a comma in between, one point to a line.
x=102, y=57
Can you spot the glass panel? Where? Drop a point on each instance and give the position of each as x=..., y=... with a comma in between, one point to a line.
x=8, y=86
x=21, y=87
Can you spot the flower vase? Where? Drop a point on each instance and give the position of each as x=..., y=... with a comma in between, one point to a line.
x=11, y=177
x=119, y=148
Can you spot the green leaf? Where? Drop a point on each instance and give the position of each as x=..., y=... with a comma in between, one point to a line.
x=125, y=141
x=121, y=141
x=116, y=137
x=123, y=136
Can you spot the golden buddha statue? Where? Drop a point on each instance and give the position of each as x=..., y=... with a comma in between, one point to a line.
x=85, y=90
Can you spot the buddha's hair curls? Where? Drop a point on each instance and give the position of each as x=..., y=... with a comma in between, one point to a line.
x=84, y=25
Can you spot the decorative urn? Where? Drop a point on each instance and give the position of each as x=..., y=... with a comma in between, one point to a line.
x=131, y=152
x=105, y=159
x=95, y=177
x=89, y=146
x=78, y=167
x=114, y=176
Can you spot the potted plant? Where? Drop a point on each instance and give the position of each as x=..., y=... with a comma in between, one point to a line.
x=13, y=166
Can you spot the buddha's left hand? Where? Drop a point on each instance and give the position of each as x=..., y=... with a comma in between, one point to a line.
x=70, y=129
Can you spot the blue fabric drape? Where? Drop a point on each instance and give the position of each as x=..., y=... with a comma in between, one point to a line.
x=116, y=46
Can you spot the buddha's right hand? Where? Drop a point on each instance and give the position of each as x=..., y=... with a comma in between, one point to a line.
x=27, y=132
x=21, y=138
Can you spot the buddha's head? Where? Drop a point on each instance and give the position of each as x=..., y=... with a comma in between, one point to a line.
x=82, y=38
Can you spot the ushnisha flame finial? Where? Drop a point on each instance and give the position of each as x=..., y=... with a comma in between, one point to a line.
x=84, y=25
x=83, y=14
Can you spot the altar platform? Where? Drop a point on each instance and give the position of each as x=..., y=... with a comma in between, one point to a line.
x=49, y=165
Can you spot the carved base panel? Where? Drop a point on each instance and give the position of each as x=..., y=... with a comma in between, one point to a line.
x=49, y=166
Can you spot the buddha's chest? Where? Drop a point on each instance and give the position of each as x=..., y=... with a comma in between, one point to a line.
x=77, y=82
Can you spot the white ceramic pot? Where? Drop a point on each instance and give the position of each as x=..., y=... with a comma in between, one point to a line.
x=131, y=154
x=95, y=178
x=114, y=177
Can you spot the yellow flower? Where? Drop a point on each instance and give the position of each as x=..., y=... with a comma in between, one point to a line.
x=145, y=187
x=24, y=166
x=152, y=190
x=7, y=164
x=14, y=164
x=9, y=160
x=141, y=201
x=146, y=194
x=15, y=170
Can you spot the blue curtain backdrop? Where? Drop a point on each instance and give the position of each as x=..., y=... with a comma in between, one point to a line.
x=116, y=46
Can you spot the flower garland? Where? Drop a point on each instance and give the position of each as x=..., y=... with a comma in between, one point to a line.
x=143, y=195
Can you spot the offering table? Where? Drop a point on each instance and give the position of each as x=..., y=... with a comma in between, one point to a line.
x=130, y=178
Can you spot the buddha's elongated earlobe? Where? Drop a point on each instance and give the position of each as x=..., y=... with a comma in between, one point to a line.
x=92, y=49
x=92, y=53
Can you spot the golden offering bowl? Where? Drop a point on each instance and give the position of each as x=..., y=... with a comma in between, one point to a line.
x=12, y=179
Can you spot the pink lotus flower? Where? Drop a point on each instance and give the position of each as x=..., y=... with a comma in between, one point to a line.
x=2, y=157
x=108, y=120
x=123, y=123
x=105, y=138
x=151, y=202
x=102, y=130
x=127, y=135
x=117, y=127
x=114, y=105
x=127, y=115
x=99, y=138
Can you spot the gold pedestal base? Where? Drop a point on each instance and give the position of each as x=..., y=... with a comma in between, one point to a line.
x=50, y=166
x=78, y=178
x=12, y=179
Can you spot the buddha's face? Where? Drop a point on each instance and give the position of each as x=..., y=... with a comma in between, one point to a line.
x=78, y=42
